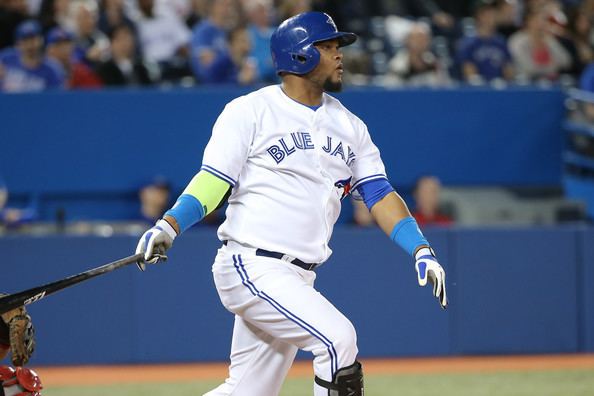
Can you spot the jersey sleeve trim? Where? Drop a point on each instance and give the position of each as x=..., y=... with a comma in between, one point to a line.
x=374, y=191
x=219, y=174
x=368, y=179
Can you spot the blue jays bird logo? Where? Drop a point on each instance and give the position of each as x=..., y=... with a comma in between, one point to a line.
x=345, y=186
x=330, y=21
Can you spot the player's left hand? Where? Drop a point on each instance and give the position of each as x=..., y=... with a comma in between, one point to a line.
x=429, y=269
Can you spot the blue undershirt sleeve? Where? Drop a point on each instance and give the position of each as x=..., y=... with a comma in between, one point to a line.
x=373, y=191
x=406, y=232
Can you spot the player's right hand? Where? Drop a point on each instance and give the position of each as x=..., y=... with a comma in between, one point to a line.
x=428, y=269
x=154, y=243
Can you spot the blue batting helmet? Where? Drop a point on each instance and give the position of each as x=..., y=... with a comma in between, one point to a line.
x=292, y=43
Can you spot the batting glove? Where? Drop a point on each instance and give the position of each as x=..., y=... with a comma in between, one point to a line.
x=154, y=243
x=429, y=269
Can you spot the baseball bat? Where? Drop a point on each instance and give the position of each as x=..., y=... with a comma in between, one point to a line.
x=30, y=296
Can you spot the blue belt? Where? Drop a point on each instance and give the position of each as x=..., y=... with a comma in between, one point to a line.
x=284, y=257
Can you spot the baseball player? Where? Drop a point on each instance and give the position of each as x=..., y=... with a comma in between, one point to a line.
x=285, y=156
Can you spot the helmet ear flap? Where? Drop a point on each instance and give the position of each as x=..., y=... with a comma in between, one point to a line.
x=305, y=59
x=301, y=58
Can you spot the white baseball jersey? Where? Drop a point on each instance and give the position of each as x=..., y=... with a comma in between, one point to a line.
x=290, y=166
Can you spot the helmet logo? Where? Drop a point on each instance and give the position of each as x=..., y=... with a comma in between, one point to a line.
x=331, y=22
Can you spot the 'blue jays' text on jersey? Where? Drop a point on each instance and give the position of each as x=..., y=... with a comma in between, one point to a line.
x=289, y=166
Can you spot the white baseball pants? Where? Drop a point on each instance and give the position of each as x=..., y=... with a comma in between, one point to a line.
x=277, y=311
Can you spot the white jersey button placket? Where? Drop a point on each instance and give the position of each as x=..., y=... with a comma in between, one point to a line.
x=326, y=177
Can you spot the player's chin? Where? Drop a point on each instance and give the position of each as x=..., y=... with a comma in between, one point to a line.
x=333, y=84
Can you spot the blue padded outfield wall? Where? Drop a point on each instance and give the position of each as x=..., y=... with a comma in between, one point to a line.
x=87, y=152
x=520, y=290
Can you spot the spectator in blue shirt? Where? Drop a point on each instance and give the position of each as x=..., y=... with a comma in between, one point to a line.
x=25, y=68
x=485, y=56
x=209, y=40
x=260, y=30
x=235, y=66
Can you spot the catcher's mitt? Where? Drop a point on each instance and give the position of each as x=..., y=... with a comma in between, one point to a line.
x=16, y=330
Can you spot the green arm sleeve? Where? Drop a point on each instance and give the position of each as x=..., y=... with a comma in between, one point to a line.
x=209, y=190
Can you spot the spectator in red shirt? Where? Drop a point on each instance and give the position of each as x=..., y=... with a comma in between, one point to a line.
x=60, y=47
x=427, y=198
x=537, y=54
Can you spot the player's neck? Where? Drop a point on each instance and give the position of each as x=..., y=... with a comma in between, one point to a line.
x=302, y=90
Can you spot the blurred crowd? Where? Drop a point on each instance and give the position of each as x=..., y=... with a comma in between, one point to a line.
x=73, y=44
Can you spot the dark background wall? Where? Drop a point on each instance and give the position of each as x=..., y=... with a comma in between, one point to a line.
x=511, y=291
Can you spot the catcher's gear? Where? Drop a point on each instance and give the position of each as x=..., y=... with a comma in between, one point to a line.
x=4, y=340
x=19, y=382
x=17, y=331
x=429, y=269
x=348, y=381
x=4, y=348
x=155, y=242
